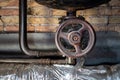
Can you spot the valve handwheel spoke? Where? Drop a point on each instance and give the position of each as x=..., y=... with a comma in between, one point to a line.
x=64, y=35
x=74, y=37
x=83, y=28
x=78, y=49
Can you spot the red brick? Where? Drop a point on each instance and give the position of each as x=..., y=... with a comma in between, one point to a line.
x=56, y=12
x=114, y=3
x=1, y=28
x=89, y=12
x=39, y=15
x=5, y=12
x=80, y=12
x=1, y=22
x=114, y=19
x=116, y=11
x=15, y=28
x=46, y=28
x=105, y=11
x=39, y=11
x=30, y=28
x=10, y=28
x=97, y=19
x=37, y=20
x=5, y=3
x=32, y=3
x=117, y=28
x=10, y=20
x=109, y=27
x=99, y=28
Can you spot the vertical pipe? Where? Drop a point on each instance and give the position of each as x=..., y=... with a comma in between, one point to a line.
x=71, y=13
x=23, y=33
x=23, y=29
x=23, y=26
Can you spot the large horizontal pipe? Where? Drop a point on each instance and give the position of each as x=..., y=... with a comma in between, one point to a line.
x=10, y=42
x=45, y=41
x=107, y=47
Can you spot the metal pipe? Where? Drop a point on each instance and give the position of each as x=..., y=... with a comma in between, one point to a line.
x=9, y=43
x=71, y=13
x=36, y=61
x=23, y=32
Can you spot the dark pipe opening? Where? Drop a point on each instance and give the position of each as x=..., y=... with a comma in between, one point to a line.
x=71, y=13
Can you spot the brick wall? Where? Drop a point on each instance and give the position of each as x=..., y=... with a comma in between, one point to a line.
x=42, y=19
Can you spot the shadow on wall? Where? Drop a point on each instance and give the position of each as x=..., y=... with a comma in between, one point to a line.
x=106, y=49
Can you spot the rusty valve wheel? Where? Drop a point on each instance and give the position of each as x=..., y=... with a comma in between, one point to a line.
x=74, y=38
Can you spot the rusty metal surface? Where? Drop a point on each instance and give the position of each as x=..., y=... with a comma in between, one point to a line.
x=70, y=38
x=71, y=4
x=39, y=61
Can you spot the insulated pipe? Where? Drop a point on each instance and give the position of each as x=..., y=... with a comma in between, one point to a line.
x=23, y=33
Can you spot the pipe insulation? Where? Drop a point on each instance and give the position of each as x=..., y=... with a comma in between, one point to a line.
x=106, y=49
